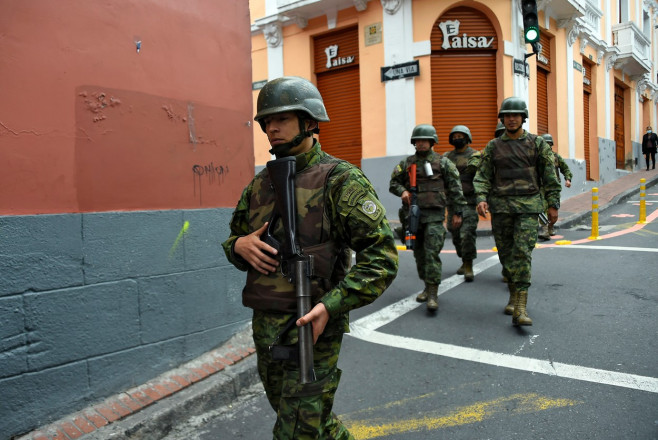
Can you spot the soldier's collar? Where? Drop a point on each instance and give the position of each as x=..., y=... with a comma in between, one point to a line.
x=304, y=159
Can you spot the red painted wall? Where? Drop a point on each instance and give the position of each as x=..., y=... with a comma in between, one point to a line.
x=88, y=123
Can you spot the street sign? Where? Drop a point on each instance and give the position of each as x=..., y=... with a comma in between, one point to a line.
x=399, y=71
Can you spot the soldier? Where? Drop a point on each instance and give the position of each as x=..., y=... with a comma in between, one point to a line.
x=547, y=231
x=513, y=169
x=467, y=160
x=337, y=211
x=437, y=179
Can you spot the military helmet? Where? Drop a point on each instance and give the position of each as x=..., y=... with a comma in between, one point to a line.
x=500, y=129
x=424, y=131
x=548, y=138
x=513, y=105
x=461, y=129
x=290, y=94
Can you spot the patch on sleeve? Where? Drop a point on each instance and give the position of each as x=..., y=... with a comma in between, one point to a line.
x=352, y=194
x=372, y=208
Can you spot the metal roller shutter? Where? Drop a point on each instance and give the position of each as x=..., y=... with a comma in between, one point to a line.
x=341, y=137
x=587, y=90
x=542, y=101
x=340, y=89
x=464, y=86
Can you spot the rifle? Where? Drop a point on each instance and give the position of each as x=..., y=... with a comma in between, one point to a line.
x=414, y=210
x=295, y=266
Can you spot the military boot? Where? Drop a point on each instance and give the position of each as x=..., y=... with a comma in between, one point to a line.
x=468, y=270
x=543, y=233
x=460, y=271
x=509, y=308
x=432, y=297
x=520, y=316
x=551, y=230
x=422, y=296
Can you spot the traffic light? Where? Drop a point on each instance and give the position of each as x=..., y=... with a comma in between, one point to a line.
x=530, y=21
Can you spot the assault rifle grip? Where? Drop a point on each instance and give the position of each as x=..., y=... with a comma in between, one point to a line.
x=414, y=210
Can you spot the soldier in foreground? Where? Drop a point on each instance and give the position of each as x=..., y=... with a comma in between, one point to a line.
x=467, y=161
x=336, y=211
x=437, y=186
x=547, y=231
x=513, y=169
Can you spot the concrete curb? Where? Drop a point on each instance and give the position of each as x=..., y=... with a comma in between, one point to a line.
x=152, y=410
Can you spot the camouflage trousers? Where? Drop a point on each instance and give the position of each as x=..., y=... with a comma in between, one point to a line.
x=303, y=412
x=464, y=238
x=516, y=236
x=429, y=242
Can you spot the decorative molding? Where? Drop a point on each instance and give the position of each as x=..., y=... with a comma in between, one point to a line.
x=272, y=34
x=299, y=20
x=584, y=41
x=610, y=61
x=360, y=5
x=599, y=56
x=391, y=6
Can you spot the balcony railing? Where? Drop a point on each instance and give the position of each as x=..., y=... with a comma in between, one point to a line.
x=633, y=58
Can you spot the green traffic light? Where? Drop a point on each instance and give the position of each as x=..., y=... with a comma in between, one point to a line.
x=531, y=35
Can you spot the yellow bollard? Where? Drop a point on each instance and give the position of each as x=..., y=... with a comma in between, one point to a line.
x=643, y=201
x=595, y=215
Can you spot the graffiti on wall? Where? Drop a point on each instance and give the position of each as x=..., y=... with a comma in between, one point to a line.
x=214, y=175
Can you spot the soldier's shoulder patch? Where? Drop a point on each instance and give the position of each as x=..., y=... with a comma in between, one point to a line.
x=353, y=193
x=371, y=208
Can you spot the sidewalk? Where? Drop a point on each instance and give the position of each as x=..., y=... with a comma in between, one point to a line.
x=151, y=410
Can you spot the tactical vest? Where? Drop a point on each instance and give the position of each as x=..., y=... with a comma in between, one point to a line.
x=431, y=189
x=461, y=162
x=515, y=165
x=273, y=292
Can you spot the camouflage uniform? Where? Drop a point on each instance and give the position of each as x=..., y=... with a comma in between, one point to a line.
x=467, y=163
x=514, y=217
x=431, y=233
x=355, y=219
x=560, y=167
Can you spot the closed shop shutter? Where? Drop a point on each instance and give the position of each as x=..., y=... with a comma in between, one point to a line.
x=619, y=126
x=586, y=140
x=464, y=86
x=542, y=101
x=587, y=91
x=340, y=88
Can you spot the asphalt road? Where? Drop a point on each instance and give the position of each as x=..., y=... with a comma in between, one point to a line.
x=587, y=368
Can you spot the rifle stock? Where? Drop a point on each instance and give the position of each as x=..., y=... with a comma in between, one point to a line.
x=295, y=266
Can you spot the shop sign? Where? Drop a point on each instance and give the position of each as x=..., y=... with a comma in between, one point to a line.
x=452, y=39
x=399, y=71
x=333, y=60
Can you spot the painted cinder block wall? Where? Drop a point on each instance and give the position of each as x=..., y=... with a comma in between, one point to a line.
x=120, y=170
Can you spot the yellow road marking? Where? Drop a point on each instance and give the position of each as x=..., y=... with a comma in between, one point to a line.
x=515, y=404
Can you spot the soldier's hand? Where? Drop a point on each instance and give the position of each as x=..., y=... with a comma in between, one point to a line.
x=456, y=222
x=253, y=250
x=318, y=317
x=567, y=183
x=483, y=209
x=406, y=197
x=552, y=215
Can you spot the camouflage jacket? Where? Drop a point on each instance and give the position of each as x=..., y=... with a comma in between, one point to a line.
x=358, y=222
x=530, y=203
x=562, y=167
x=467, y=163
x=451, y=184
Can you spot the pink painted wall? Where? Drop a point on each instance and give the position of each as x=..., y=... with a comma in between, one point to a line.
x=88, y=123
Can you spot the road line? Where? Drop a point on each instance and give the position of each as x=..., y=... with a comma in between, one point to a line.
x=392, y=312
x=609, y=248
x=549, y=368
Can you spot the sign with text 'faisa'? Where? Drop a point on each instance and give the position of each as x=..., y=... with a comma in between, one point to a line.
x=333, y=60
x=453, y=40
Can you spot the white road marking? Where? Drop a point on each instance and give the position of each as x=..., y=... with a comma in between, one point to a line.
x=366, y=330
x=608, y=248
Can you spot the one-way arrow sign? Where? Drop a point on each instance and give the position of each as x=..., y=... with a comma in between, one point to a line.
x=399, y=71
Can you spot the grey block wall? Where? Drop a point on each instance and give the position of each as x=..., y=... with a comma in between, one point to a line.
x=93, y=304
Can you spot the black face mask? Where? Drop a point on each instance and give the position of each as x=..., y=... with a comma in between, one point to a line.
x=458, y=143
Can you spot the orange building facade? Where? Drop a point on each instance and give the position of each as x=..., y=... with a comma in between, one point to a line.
x=385, y=66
